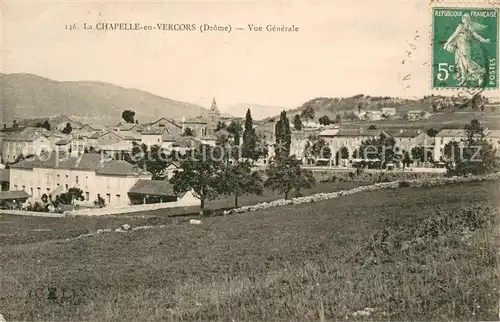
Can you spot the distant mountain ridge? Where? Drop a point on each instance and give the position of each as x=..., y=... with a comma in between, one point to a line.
x=259, y=111
x=30, y=96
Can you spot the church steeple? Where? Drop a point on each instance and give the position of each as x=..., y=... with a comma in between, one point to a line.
x=214, y=109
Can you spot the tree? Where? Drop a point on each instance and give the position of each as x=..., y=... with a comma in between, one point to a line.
x=286, y=174
x=44, y=125
x=379, y=149
x=249, y=147
x=418, y=154
x=338, y=118
x=325, y=120
x=67, y=129
x=432, y=132
x=342, y=153
x=15, y=125
x=128, y=116
x=297, y=123
x=283, y=136
x=473, y=131
x=236, y=130
x=473, y=155
x=238, y=179
x=221, y=125
x=200, y=173
x=407, y=160
x=318, y=148
x=308, y=112
x=70, y=196
x=188, y=132
x=156, y=161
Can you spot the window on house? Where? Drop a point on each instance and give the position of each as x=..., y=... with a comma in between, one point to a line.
x=118, y=198
x=76, y=178
x=108, y=197
x=15, y=187
x=48, y=189
x=31, y=190
x=87, y=195
x=24, y=188
x=58, y=184
x=66, y=176
x=66, y=187
x=58, y=176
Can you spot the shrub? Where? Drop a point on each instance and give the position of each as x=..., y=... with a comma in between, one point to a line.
x=404, y=184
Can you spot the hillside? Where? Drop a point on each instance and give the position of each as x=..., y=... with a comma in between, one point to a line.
x=333, y=106
x=28, y=96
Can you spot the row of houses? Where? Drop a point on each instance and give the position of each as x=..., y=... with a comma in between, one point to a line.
x=116, y=182
x=350, y=139
x=42, y=171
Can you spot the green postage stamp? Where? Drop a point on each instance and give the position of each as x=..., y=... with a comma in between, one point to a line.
x=465, y=48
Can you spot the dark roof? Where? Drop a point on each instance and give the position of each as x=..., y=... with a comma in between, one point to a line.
x=154, y=131
x=18, y=194
x=119, y=167
x=63, y=142
x=153, y=187
x=29, y=135
x=358, y=132
x=405, y=133
x=86, y=161
x=4, y=175
x=168, y=120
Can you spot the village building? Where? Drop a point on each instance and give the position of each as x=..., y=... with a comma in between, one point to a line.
x=173, y=129
x=96, y=176
x=26, y=143
x=407, y=139
x=344, y=142
x=389, y=111
x=57, y=123
x=444, y=137
x=159, y=191
x=203, y=126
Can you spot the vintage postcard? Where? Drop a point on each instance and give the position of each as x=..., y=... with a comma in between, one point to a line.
x=250, y=160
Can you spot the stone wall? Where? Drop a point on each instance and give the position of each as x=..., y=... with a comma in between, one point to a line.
x=428, y=182
x=30, y=213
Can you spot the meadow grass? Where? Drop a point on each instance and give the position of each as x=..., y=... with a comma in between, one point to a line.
x=405, y=254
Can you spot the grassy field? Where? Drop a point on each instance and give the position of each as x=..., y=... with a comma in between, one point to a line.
x=17, y=229
x=401, y=253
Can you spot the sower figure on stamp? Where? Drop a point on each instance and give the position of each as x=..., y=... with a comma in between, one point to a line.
x=467, y=70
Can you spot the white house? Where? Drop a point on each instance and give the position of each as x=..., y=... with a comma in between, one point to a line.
x=407, y=139
x=349, y=140
x=31, y=143
x=445, y=136
x=95, y=175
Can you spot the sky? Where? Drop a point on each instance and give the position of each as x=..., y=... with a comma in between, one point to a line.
x=342, y=48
